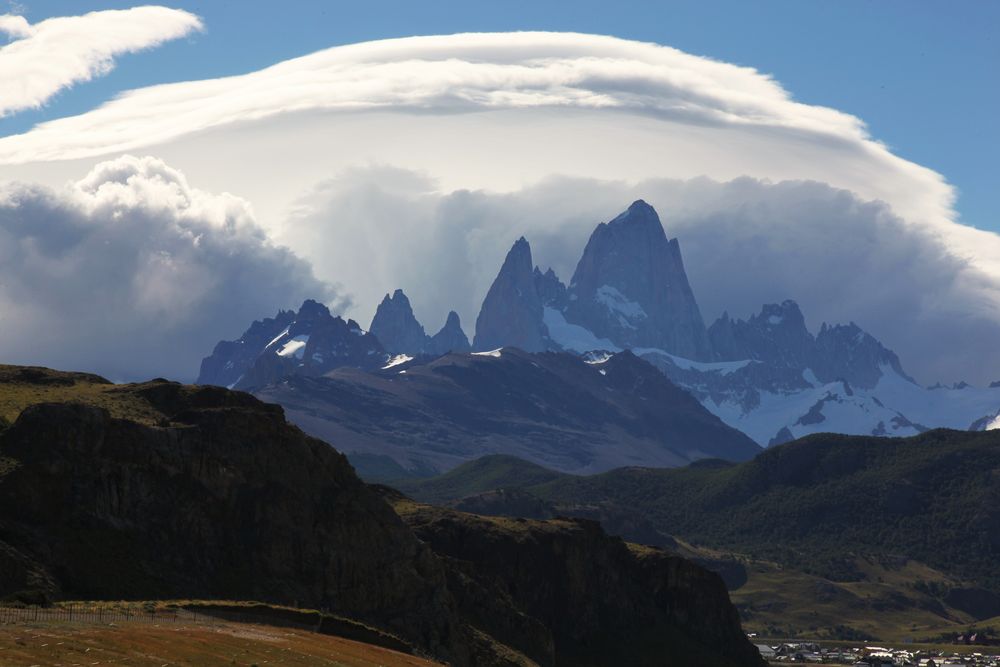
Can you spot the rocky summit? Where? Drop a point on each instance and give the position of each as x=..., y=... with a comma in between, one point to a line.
x=512, y=313
x=450, y=338
x=309, y=342
x=396, y=328
x=163, y=491
x=630, y=287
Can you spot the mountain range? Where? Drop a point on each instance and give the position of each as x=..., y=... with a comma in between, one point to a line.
x=767, y=376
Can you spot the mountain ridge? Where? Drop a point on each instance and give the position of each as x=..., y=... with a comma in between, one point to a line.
x=767, y=375
x=430, y=415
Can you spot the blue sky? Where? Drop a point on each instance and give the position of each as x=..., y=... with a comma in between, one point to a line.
x=923, y=75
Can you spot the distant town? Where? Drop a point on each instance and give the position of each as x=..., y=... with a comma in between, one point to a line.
x=878, y=656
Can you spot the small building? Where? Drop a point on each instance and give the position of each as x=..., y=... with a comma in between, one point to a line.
x=766, y=651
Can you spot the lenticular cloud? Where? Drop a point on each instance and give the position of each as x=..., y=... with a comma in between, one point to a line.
x=509, y=71
x=54, y=54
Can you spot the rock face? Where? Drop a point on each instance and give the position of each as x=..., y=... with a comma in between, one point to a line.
x=512, y=313
x=630, y=287
x=310, y=342
x=225, y=500
x=551, y=408
x=777, y=334
x=846, y=352
x=550, y=289
x=568, y=576
x=232, y=358
x=396, y=328
x=450, y=338
x=212, y=495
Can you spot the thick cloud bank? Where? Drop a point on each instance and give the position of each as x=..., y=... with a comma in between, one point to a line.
x=745, y=243
x=133, y=273
x=48, y=56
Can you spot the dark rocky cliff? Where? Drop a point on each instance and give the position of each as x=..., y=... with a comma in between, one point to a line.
x=599, y=600
x=224, y=500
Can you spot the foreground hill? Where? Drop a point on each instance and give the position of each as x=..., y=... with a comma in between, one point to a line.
x=924, y=511
x=588, y=589
x=419, y=417
x=159, y=490
x=183, y=643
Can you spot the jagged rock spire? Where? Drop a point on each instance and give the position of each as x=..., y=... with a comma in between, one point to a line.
x=396, y=327
x=631, y=288
x=512, y=313
x=450, y=338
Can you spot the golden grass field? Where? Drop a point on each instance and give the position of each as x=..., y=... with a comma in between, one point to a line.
x=174, y=644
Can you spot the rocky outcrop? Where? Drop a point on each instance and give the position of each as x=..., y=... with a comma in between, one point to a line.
x=512, y=312
x=601, y=601
x=777, y=335
x=231, y=359
x=310, y=342
x=396, y=328
x=846, y=352
x=550, y=289
x=630, y=287
x=450, y=338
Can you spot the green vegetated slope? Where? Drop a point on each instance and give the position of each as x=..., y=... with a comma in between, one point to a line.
x=497, y=471
x=872, y=528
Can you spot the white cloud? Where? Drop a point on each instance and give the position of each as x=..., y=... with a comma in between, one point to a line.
x=56, y=53
x=500, y=110
x=133, y=273
x=14, y=26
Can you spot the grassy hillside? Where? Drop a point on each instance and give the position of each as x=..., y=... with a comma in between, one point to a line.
x=817, y=503
x=22, y=386
x=884, y=537
x=496, y=471
x=188, y=644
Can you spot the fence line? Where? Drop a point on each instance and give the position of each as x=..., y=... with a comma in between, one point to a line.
x=104, y=615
